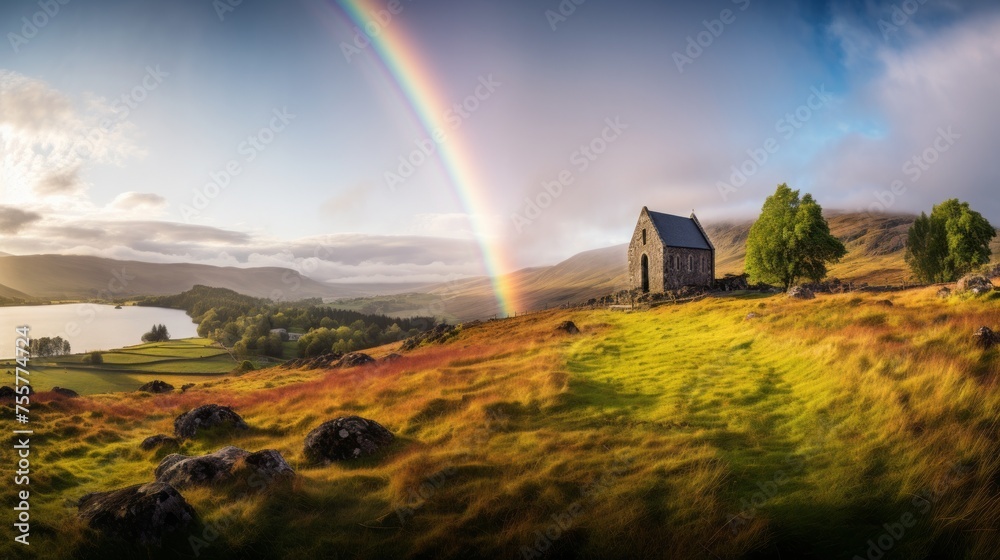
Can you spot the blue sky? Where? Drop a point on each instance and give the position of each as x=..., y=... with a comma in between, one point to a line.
x=898, y=80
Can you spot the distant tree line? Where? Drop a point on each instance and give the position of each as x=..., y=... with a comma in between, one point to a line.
x=46, y=347
x=246, y=324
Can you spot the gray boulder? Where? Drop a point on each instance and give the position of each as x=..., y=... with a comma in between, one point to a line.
x=141, y=514
x=355, y=359
x=975, y=283
x=568, y=327
x=986, y=338
x=64, y=392
x=801, y=292
x=156, y=386
x=350, y=437
x=159, y=440
x=181, y=470
x=944, y=293
x=208, y=416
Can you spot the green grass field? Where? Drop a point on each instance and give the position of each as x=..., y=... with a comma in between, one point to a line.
x=686, y=431
x=176, y=362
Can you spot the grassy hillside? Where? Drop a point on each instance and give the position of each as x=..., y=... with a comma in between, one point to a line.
x=682, y=432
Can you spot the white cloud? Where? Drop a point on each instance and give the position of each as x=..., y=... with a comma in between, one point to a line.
x=131, y=201
x=47, y=140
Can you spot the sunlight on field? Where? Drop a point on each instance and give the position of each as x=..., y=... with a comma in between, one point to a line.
x=176, y=361
x=683, y=431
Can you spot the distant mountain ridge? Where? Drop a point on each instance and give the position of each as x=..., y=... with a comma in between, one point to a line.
x=875, y=243
x=875, y=246
x=82, y=277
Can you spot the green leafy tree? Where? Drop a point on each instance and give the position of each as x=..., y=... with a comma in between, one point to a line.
x=953, y=241
x=157, y=334
x=927, y=249
x=791, y=240
x=94, y=357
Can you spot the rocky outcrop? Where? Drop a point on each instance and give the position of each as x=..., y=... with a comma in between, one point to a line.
x=182, y=471
x=350, y=437
x=159, y=440
x=325, y=361
x=438, y=334
x=568, y=327
x=975, y=284
x=208, y=416
x=391, y=358
x=944, y=293
x=64, y=392
x=156, y=387
x=801, y=292
x=143, y=513
x=355, y=359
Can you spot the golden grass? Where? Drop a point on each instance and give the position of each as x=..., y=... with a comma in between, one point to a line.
x=682, y=432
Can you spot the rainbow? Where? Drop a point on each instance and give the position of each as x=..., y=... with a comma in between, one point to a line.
x=399, y=59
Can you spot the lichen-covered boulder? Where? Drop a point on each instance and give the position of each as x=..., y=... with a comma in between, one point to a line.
x=156, y=386
x=207, y=416
x=141, y=514
x=181, y=470
x=350, y=437
x=977, y=284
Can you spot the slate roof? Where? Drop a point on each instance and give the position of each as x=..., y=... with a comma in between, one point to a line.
x=676, y=231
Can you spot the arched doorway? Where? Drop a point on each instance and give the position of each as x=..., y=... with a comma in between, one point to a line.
x=645, y=274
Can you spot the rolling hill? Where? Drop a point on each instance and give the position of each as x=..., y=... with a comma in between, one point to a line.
x=685, y=431
x=81, y=277
x=875, y=245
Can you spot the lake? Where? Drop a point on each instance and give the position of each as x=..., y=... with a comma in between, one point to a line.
x=90, y=326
